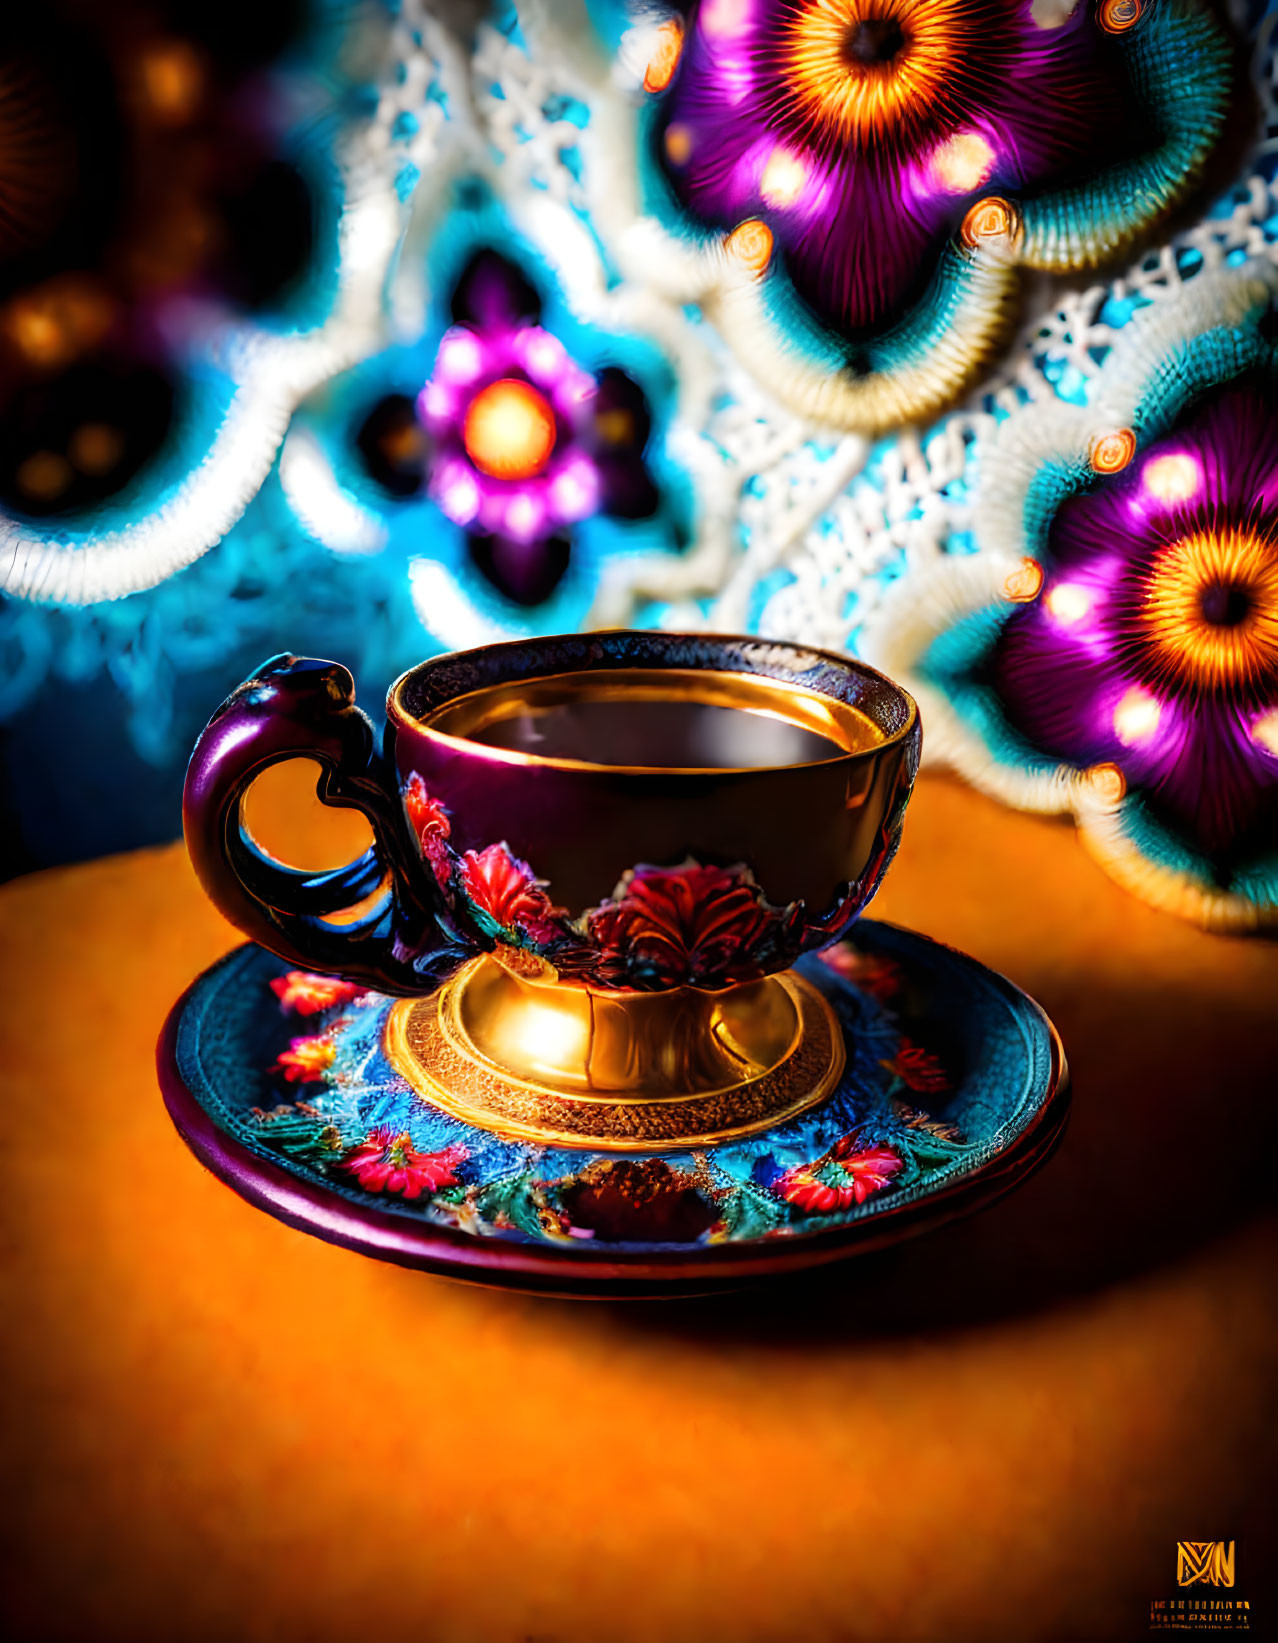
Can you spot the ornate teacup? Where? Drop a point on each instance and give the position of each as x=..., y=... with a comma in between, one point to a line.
x=595, y=860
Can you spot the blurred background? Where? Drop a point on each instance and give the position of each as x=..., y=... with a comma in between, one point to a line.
x=249, y=253
x=170, y=206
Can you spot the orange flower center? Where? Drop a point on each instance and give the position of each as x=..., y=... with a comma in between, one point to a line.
x=859, y=66
x=1210, y=607
x=751, y=243
x=665, y=56
x=509, y=431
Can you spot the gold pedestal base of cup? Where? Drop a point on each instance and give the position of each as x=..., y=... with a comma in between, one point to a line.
x=622, y=1072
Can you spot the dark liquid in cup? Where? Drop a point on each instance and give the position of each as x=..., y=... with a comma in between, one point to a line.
x=671, y=735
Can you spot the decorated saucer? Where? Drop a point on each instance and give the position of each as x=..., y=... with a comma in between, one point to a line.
x=954, y=1089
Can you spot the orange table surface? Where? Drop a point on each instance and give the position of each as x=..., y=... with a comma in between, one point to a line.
x=218, y=1428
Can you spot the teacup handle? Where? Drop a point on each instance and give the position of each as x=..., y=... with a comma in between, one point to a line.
x=296, y=707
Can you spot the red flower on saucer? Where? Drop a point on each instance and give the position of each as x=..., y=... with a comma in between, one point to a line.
x=309, y=994
x=507, y=889
x=386, y=1162
x=869, y=1170
x=305, y=1060
x=880, y=977
x=918, y=1069
x=683, y=926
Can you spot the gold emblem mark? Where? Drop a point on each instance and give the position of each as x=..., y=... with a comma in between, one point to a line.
x=1207, y=1561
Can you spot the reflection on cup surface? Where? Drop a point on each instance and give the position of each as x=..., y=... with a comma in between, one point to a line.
x=677, y=719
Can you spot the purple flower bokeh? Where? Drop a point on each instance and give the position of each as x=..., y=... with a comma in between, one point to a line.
x=862, y=131
x=1153, y=643
x=525, y=443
